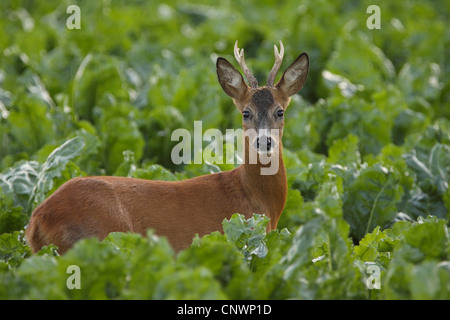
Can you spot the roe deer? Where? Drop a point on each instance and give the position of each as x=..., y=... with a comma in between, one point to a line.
x=95, y=206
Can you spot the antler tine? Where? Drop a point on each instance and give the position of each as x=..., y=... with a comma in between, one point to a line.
x=239, y=55
x=276, y=65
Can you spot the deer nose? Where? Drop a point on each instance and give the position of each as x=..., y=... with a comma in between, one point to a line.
x=264, y=142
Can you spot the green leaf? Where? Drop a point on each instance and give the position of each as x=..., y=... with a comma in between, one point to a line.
x=18, y=181
x=119, y=132
x=189, y=284
x=293, y=215
x=439, y=163
x=214, y=253
x=12, y=219
x=12, y=249
x=39, y=278
x=128, y=166
x=378, y=67
x=345, y=152
x=430, y=236
x=102, y=267
x=430, y=281
x=371, y=200
x=31, y=125
x=419, y=268
x=447, y=202
x=149, y=259
x=420, y=77
x=154, y=172
x=304, y=240
x=376, y=246
x=52, y=168
x=247, y=235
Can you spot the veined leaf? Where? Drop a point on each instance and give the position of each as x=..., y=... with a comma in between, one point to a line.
x=371, y=199
x=52, y=168
x=247, y=235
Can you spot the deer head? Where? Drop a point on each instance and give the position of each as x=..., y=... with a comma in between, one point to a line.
x=262, y=108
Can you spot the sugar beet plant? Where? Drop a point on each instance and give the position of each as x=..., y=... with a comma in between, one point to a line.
x=366, y=146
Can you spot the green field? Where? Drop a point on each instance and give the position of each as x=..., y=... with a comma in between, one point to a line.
x=366, y=145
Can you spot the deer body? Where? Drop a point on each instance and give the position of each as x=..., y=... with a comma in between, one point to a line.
x=171, y=208
x=95, y=206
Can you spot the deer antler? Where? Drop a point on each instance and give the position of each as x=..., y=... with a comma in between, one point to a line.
x=276, y=65
x=239, y=55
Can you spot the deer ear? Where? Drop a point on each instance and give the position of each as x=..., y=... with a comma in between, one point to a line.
x=294, y=77
x=230, y=79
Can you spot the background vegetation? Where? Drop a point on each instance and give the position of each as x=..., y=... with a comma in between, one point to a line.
x=367, y=144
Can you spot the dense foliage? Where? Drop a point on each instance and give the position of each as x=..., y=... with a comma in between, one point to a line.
x=366, y=145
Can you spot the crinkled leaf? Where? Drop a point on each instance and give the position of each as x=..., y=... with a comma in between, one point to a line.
x=18, y=181
x=371, y=199
x=52, y=168
x=12, y=249
x=247, y=235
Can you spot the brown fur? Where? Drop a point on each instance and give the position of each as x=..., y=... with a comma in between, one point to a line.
x=177, y=210
x=95, y=206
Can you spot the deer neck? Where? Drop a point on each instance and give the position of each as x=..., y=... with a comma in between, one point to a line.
x=269, y=190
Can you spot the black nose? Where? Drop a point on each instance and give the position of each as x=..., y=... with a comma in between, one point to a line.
x=264, y=141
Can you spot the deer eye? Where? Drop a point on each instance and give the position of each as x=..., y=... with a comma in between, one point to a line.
x=246, y=114
x=280, y=113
